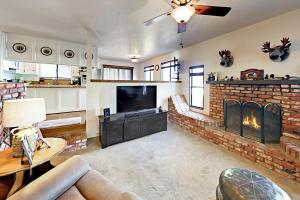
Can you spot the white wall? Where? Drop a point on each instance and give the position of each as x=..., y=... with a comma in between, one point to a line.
x=245, y=44
x=103, y=95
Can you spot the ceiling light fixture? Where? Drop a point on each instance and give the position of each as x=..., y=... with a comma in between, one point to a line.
x=134, y=59
x=182, y=14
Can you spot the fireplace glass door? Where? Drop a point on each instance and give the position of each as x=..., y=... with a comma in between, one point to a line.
x=252, y=116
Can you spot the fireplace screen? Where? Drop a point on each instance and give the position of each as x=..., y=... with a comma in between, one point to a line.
x=253, y=121
x=272, y=123
x=233, y=116
x=252, y=117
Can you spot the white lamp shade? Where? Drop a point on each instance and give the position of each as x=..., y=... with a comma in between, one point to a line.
x=23, y=112
x=182, y=14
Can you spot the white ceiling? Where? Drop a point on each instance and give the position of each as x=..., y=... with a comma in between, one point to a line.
x=118, y=24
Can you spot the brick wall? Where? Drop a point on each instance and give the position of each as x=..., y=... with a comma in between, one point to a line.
x=265, y=155
x=9, y=91
x=288, y=96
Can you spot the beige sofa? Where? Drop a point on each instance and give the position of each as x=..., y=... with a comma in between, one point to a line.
x=72, y=180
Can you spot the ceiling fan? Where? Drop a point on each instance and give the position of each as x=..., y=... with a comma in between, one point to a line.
x=182, y=11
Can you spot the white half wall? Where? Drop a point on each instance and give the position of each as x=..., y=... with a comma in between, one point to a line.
x=245, y=45
x=104, y=95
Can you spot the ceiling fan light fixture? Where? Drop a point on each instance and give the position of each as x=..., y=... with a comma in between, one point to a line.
x=134, y=59
x=182, y=14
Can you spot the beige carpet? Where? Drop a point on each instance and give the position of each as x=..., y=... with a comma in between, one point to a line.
x=172, y=165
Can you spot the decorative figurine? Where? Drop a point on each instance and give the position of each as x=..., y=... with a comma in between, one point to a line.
x=213, y=76
x=231, y=78
x=226, y=78
x=272, y=76
x=252, y=74
x=278, y=53
x=226, y=58
x=287, y=77
x=266, y=77
x=160, y=109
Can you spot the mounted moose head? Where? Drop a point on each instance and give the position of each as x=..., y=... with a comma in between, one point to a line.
x=280, y=52
x=226, y=58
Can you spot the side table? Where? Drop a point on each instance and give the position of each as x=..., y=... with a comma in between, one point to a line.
x=10, y=165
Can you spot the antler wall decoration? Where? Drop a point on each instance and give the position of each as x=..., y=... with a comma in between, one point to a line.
x=226, y=58
x=278, y=53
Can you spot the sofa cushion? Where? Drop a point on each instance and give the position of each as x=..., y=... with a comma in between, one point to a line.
x=129, y=196
x=71, y=194
x=55, y=182
x=94, y=186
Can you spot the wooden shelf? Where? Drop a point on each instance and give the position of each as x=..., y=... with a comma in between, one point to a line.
x=257, y=82
x=131, y=81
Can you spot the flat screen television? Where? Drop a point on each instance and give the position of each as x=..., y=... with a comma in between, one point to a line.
x=133, y=98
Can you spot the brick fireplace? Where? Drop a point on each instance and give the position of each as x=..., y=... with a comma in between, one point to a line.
x=283, y=158
x=283, y=93
x=8, y=91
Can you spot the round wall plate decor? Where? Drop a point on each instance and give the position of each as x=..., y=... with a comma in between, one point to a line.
x=19, y=47
x=69, y=53
x=85, y=55
x=46, y=51
x=156, y=67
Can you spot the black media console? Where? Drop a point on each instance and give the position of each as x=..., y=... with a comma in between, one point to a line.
x=122, y=127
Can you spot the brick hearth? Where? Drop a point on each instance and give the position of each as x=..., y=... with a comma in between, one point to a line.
x=288, y=96
x=274, y=157
x=9, y=91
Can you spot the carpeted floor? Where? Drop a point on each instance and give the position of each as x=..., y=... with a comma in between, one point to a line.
x=172, y=165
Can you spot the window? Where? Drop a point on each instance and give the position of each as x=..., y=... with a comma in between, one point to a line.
x=148, y=71
x=112, y=72
x=197, y=86
x=64, y=71
x=169, y=70
x=48, y=70
x=54, y=71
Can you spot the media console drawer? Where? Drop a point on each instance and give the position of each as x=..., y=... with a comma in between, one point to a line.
x=122, y=127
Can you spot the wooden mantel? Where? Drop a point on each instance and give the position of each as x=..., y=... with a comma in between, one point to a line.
x=256, y=82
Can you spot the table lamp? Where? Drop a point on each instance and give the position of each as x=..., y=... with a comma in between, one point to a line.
x=22, y=115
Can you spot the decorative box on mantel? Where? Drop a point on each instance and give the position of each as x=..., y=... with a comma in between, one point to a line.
x=285, y=93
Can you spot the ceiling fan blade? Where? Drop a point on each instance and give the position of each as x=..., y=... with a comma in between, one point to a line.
x=181, y=28
x=157, y=18
x=211, y=10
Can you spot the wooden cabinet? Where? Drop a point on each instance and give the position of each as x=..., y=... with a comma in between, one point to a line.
x=115, y=129
x=6, y=65
x=83, y=56
x=58, y=100
x=27, y=68
x=69, y=54
x=75, y=71
x=131, y=126
x=19, y=48
x=29, y=49
x=46, y=51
